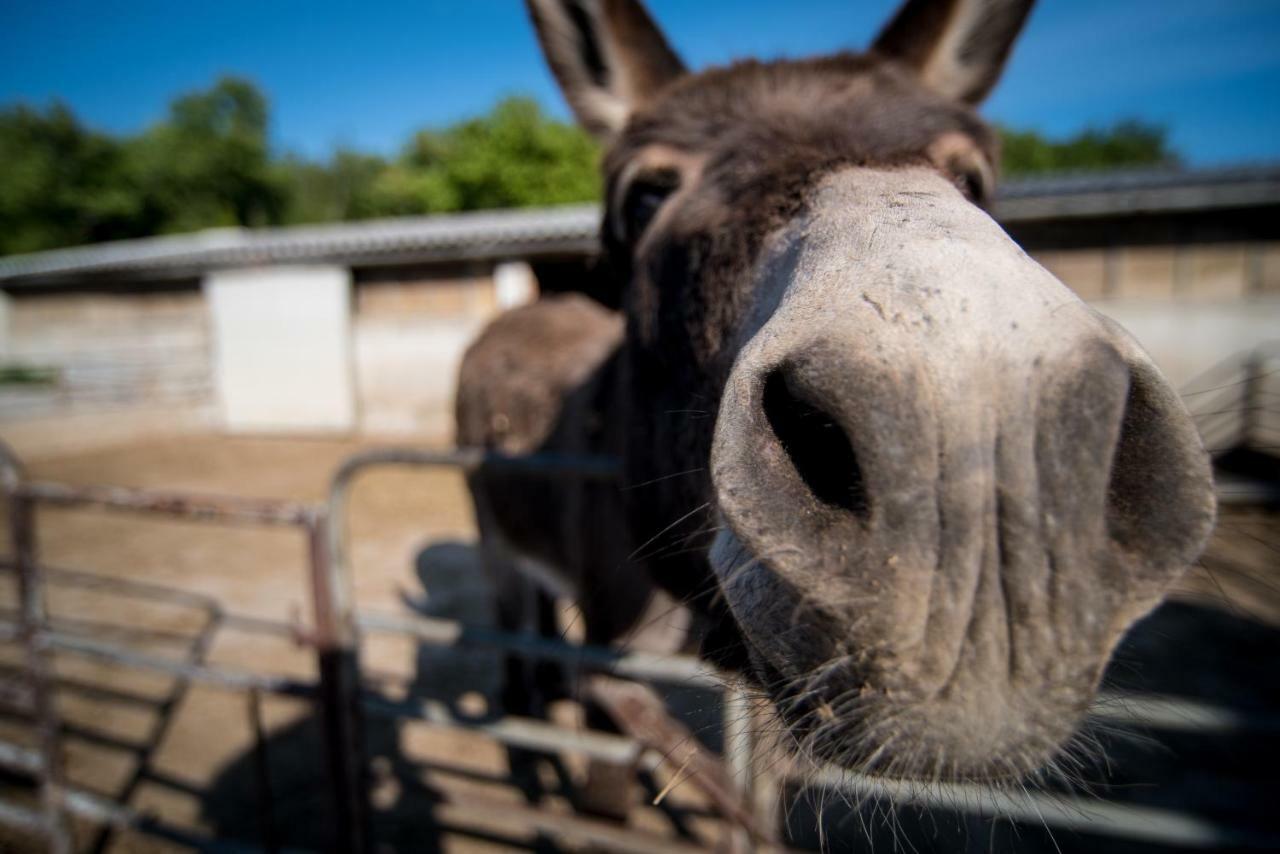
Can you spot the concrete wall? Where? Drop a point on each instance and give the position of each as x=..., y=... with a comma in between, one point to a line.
x=131, y=362
x=307, y=349
x=282, y=348
x=4, y=326
x=1185, y=341
x=410, y=331
x=1191, y=307
x=1202, y=272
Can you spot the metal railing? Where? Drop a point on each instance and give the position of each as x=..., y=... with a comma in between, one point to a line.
x=338, y=691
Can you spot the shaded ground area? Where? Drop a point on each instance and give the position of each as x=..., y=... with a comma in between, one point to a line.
x=1224, y=780
x=186, y=753
x=1217, y=642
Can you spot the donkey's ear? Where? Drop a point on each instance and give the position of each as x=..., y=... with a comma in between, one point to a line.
x=608, y=55
x=958, y=47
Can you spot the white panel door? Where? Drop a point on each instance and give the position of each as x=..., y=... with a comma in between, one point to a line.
x=282, y=348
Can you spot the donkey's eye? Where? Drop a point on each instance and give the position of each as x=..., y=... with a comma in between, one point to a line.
x=643, y=201
x=973, y=184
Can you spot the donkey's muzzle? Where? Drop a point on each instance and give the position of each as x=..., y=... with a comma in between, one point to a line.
x=948, y=487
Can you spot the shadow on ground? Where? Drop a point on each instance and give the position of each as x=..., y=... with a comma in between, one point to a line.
x=1226, y=778
x=452, y=586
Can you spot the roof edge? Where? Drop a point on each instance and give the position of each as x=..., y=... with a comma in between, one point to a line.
x=573, y=229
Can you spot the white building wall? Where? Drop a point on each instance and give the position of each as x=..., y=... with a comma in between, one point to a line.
x=4, y=325
x=1187, y=338
x=282, y=348
x=411, y=331
x=407, y=374
x=514, y=284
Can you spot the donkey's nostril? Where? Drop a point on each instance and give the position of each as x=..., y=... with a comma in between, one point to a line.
x=817, y=447
x=1159, y=500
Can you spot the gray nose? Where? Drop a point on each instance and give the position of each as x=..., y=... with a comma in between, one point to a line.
x=845, y=445
x=948, y=485
x=1068, y=488
x=815, y=443
x=933, y=537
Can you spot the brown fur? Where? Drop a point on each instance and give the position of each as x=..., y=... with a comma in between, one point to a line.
x=897, y=429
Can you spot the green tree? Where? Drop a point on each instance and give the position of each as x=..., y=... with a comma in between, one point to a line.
x=1126, y=144
x=341, y=189
x=209, y=163
x=61, y=184
x=515, y=156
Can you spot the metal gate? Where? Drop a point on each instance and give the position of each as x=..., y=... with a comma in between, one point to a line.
x=739, y=788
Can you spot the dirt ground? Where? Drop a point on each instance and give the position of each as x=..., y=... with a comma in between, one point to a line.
x=411, y=532
x=183, y=752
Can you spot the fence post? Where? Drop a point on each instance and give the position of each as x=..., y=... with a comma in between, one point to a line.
x=337, y=659
x=738, y=754
x=22, y=539
x=1251, y=394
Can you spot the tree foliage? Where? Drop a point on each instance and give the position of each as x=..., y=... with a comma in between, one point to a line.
x=210, y=163
x=61, y=184
x=1125, y=144
x=207, y=164
x=513, y=157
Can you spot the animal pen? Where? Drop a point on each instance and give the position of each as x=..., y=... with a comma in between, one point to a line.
x=746, y=794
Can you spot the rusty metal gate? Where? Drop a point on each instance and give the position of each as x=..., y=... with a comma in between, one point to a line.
x=738, y=788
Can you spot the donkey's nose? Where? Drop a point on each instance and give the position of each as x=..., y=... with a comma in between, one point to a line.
x=1135, y=447
x=815, y=442
x=827, y=446
x=947, y=543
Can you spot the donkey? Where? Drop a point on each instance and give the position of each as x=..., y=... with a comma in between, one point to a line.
x=913, y=488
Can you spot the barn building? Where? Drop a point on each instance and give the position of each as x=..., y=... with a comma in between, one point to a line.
x=357, y=328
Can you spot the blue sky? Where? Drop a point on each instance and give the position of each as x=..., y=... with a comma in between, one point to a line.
x=367, y=74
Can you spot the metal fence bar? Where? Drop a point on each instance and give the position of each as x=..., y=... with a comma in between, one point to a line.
x=641, y=666
x=22, y=533
x=335, y=638
x=128, y=587
x=220, y=676
x=739, y=752
x=337, y=661
x=333, y=585
x=1064, y=811
x=1145, y=711
x=265, y=801
x=593, y=833
x=517, y=732
x=222, y=508
x=20, y=760
x=1178, y=714
x=22, y=818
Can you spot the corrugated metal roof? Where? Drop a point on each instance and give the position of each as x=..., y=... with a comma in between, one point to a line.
x=485, y=234
x=535, y=232
x=1140, y=191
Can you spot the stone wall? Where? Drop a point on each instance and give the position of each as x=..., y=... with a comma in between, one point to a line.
x=130, y=359
x=410, y=330
x=1229, y=271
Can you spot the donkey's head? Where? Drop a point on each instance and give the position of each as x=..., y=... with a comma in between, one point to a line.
x=943, y=487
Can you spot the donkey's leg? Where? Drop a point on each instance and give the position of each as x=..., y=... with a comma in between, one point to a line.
x=519, y=695
x=661, y=626
x=517, y=609
x=611, y=788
